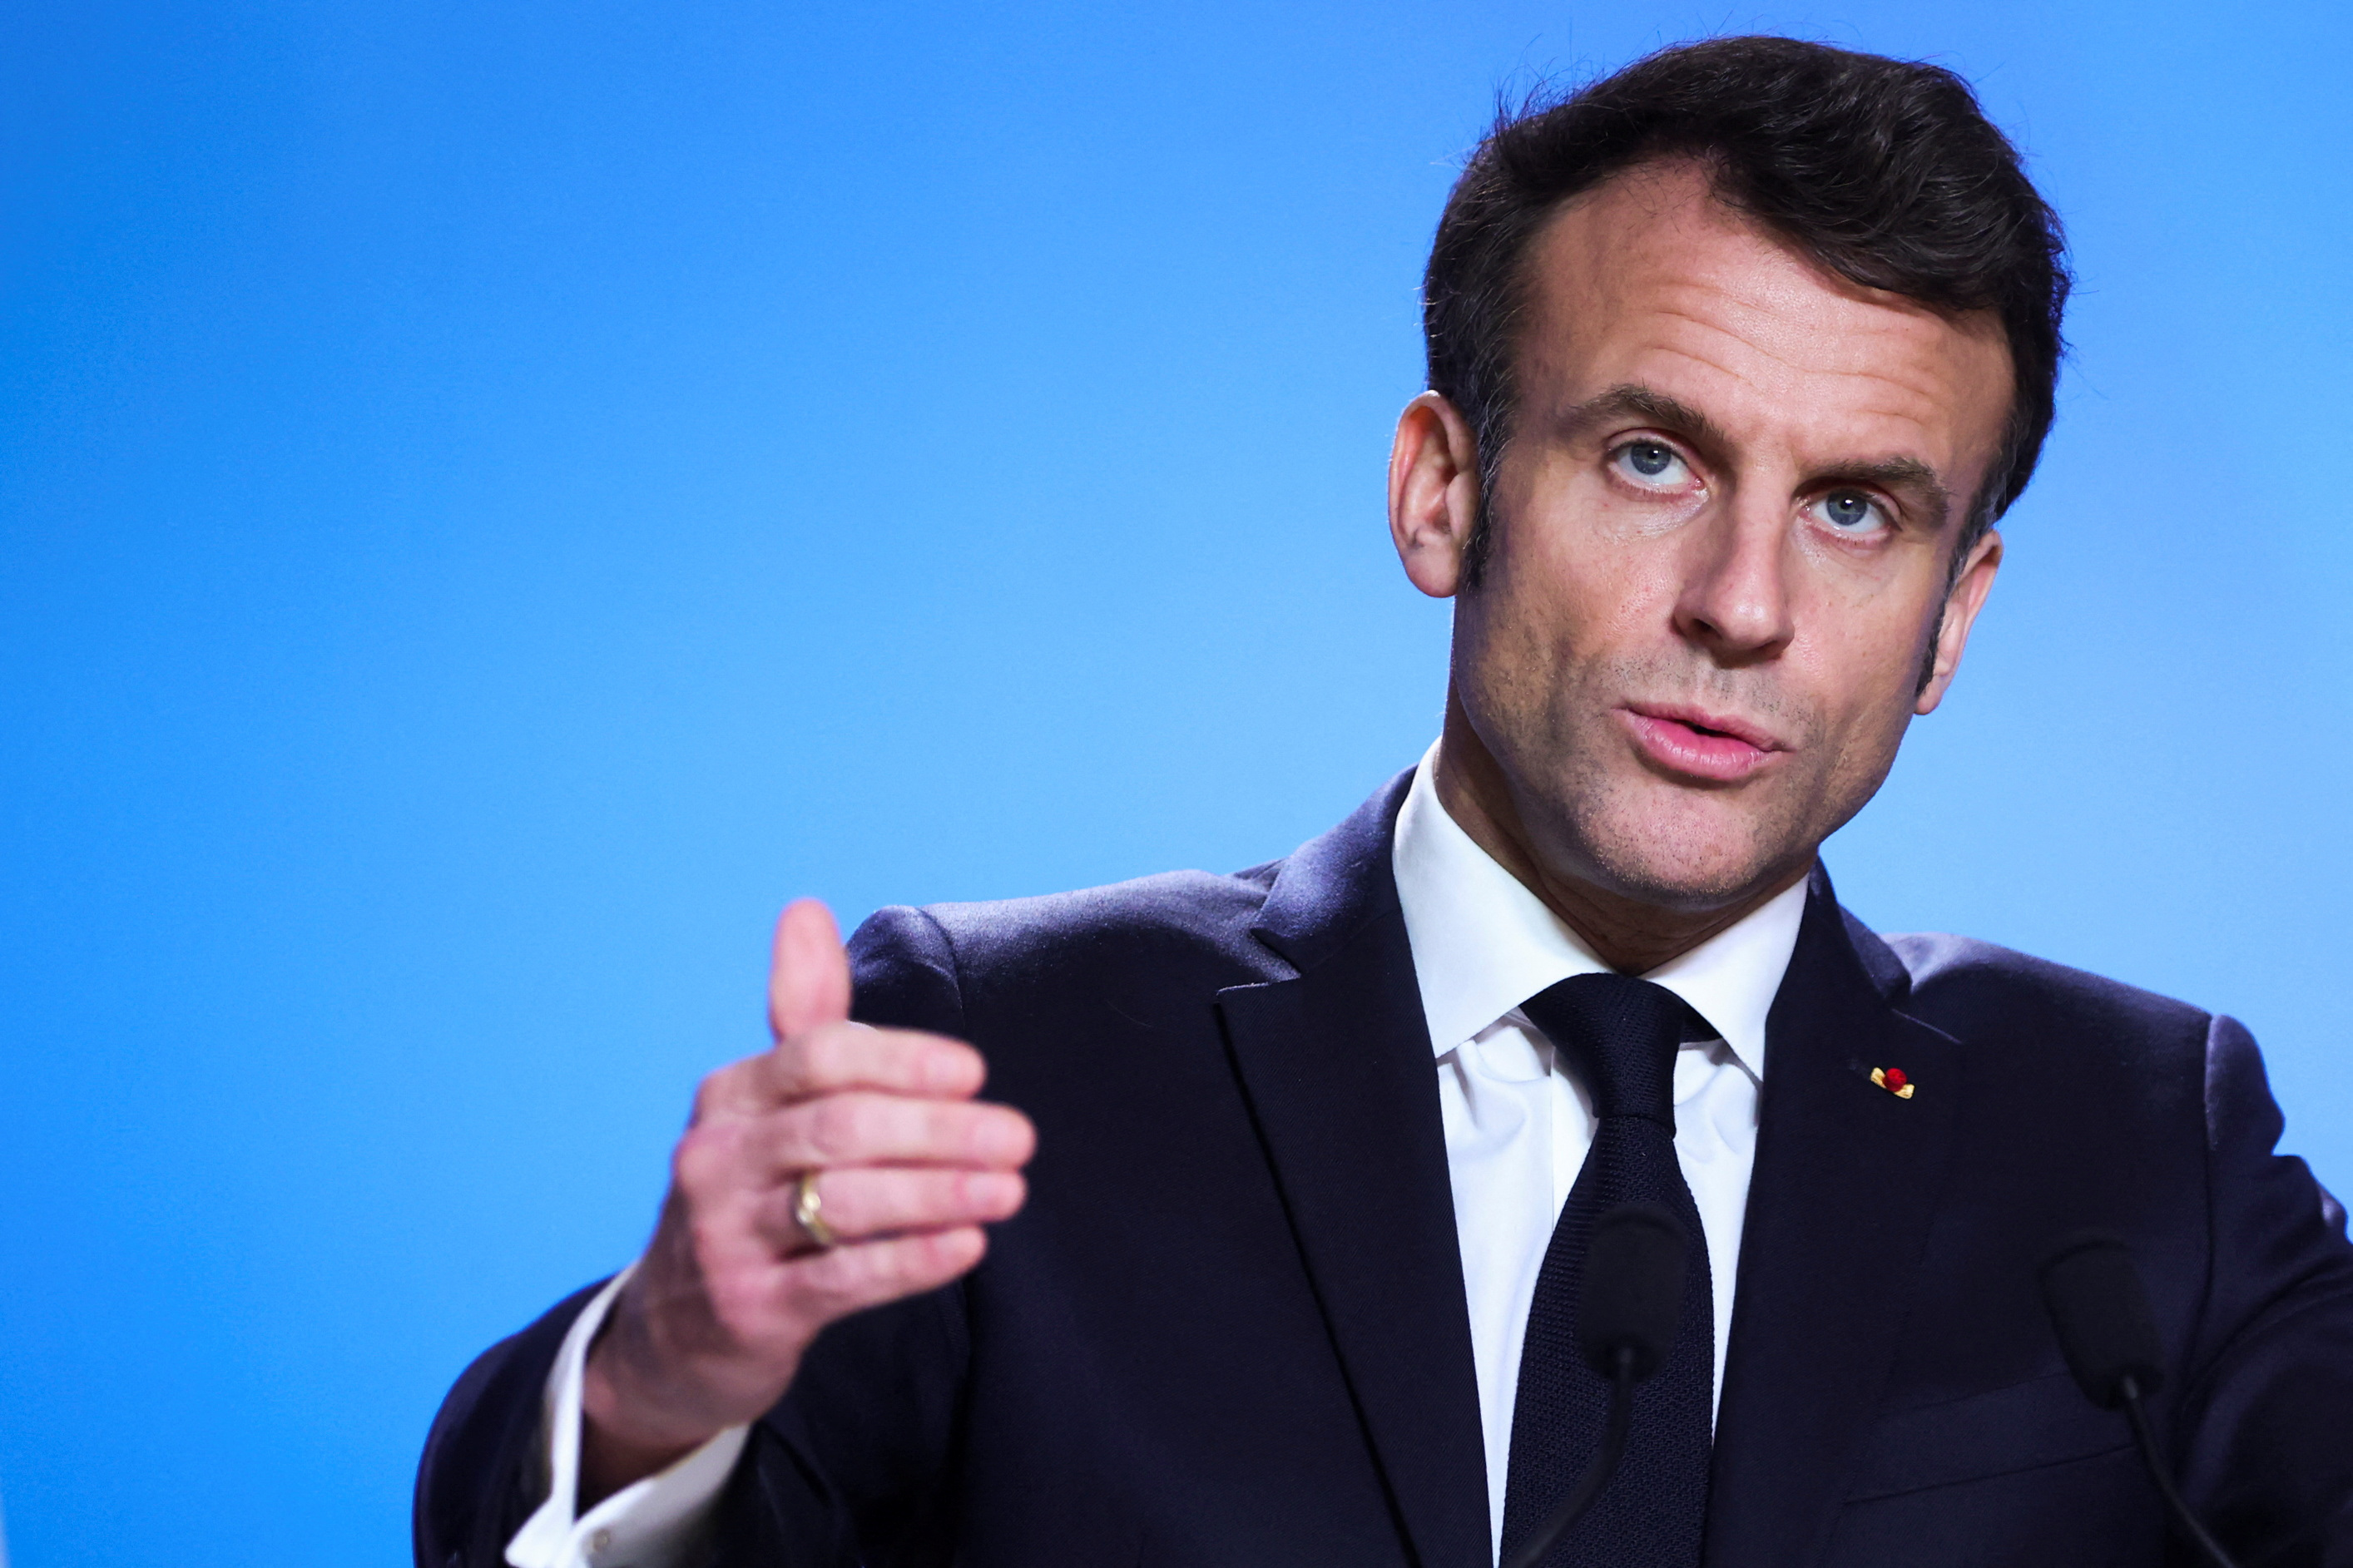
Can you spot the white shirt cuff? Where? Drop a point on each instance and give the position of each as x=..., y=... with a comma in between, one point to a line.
x=649, y=1523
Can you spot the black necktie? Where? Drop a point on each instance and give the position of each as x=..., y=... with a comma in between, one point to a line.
x=1619, y=1036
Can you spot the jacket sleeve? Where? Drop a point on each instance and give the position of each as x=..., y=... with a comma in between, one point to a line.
x=2266, y=1429
x=853, y=1467
x=475, y=1485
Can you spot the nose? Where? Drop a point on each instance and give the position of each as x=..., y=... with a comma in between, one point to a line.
x=1735, y=600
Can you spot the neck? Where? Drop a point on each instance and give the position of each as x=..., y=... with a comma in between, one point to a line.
x=1629, y=935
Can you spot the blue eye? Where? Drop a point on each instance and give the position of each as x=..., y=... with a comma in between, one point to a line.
x=1652, y=464
x=1850, y=512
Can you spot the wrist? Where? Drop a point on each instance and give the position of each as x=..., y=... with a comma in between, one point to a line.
x=632, y=1422
x=624, y=1438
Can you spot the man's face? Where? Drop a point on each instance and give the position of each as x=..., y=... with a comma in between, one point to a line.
x=1722, y=539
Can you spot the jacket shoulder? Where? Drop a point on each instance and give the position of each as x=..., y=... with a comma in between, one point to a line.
x=1179, y=930
x=1173, y=914
x=1984, y=994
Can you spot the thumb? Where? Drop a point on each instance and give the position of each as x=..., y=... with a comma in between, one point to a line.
x=808, y=978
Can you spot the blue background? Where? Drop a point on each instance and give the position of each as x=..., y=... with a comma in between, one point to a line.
x=496, y=498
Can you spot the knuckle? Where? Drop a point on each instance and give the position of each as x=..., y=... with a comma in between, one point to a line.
x=859, y=1054
x=891, y=1269
x=714, y=1158
x=893, y=1060
x=958, y=1065
x=931, y=1194
x=833, y=1278
x=905, y=1265
x=694, y=1163
x=974, y=1191
x=838, y=1126
x=818, y=1055
x=883, y=1204
x=922, y=1196
x=997, y=1132
x=851, y=1268
x=710, y=1094
x=949, y=1125
x=868, y=1206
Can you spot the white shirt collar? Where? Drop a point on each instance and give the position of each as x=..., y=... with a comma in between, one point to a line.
x=1482, y=943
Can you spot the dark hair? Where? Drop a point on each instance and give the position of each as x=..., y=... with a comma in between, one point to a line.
x=1886, y=171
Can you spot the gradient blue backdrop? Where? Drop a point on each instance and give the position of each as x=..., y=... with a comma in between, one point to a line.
x=498, y=497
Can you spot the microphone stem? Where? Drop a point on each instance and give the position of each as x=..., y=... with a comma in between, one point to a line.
x=2130, y=1388
x=1598, y=1471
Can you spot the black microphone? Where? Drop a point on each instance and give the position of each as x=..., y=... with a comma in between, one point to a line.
x=1629, y=1302
x=2110, y=1342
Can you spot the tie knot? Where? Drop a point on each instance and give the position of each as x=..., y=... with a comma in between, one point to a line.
x=1620, y=1036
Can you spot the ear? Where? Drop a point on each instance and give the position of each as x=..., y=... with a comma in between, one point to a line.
x=1961, y=607
x=1433, y=493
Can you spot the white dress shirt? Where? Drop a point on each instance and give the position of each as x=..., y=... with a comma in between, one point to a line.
x=1516, y=1131
x=1517, y=1127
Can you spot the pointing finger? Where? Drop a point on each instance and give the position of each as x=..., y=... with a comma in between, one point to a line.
x=853, y=1056
x=857, y=1128
x=832, y=1058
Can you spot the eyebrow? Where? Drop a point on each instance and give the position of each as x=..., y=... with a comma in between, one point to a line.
x=1631, y=400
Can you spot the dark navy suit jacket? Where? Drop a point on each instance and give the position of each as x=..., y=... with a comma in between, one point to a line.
x=1228, y=1328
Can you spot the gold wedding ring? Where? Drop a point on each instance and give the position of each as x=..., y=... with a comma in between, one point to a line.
x=809, y=1213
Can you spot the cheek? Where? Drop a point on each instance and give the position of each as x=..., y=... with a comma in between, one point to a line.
x=1864, y=668
x=1580, y=571
x=1546, y=633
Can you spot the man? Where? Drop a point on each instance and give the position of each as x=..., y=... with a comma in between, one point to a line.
x=1735, y=357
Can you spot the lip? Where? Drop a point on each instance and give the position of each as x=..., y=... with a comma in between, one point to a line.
x=1718, y=747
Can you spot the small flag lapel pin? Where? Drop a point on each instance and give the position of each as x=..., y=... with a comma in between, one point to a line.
x=1892, y=1080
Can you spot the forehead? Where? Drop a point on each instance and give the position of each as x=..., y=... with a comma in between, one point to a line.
x=1651, y=281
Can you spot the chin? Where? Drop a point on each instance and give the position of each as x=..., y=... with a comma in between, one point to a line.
x=1687, y=859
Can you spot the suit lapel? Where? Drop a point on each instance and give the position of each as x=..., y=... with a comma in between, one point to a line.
x=1846, y=1184
x=1336, y=1065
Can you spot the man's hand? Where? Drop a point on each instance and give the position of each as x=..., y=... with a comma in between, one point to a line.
x=710, y=1330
